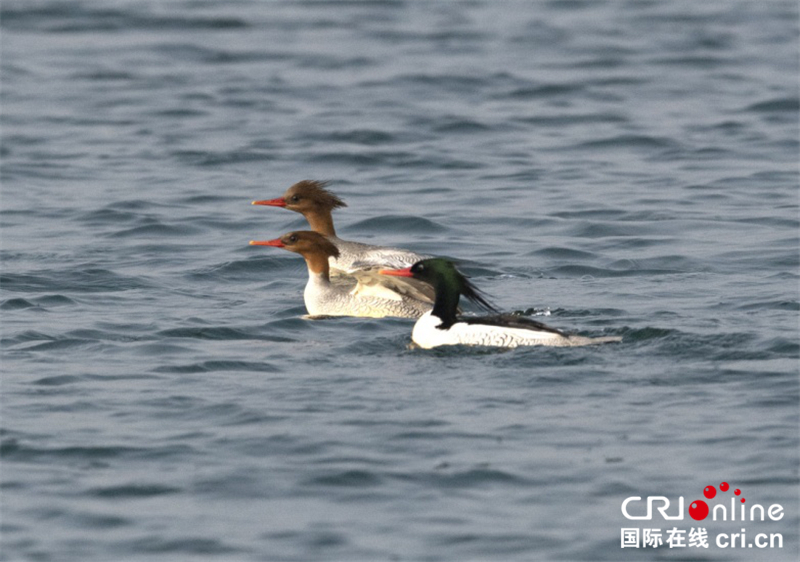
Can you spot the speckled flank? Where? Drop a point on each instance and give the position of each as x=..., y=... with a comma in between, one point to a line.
x=323, y=298
x=427, y=335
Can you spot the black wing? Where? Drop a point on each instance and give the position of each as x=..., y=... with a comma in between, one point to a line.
x=510, y=321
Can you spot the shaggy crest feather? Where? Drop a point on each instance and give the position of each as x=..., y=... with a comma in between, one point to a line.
x=475, y=295
x=315, y=189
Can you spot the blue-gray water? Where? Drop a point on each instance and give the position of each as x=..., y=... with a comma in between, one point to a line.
x=630, y=166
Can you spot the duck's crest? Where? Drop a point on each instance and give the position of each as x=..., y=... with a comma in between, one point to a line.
x=316, y=189
x=476, y=296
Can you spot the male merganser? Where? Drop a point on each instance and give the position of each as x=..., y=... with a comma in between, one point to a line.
x=442, y=325
x=362, y=293
x=315, y=203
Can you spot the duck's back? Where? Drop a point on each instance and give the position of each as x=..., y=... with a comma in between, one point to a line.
x=356, y=255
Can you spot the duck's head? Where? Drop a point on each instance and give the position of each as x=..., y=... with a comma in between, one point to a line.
x=307, y=196
x=447, y=281
x=302, y=242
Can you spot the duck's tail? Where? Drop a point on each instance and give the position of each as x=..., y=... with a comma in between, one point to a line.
x=581, y=340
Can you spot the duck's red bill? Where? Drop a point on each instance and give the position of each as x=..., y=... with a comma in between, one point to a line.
x=397, y=272
x=279, y=202
x=277, y=243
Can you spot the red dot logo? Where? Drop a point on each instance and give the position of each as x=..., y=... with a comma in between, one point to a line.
x=709, y=492
x=724, y=486
x=737, y=491
x=698, y=510
x=742, y=500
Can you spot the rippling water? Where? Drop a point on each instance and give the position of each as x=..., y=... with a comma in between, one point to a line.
x=631, y=167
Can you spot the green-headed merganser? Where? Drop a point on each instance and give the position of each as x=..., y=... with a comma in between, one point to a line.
x=315, y=203
x=443, y=326
x=361, y=293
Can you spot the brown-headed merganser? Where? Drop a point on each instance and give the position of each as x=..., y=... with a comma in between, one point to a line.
x=315, y=203
x=443, y=326
x=361, y=293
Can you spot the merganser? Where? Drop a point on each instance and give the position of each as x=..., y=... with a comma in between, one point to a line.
x=362, y=293
x=315, y=203
x=442, y=325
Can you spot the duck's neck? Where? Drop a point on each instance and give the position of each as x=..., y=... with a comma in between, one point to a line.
x=318, y=265
x=445, y=305
x=321, y=222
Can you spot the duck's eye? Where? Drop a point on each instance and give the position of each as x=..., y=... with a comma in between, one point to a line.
x=295, y=198
x=293, y=238
x=419, y=267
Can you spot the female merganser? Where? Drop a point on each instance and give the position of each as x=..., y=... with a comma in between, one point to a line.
x=362, y=293
x=442, y=325
x=315, y=203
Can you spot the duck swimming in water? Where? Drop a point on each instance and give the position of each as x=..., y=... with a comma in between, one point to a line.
x=360, y=293
x=443, y=326
x=311, y=199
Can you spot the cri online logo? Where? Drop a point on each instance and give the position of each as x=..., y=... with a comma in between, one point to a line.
x=699, y=509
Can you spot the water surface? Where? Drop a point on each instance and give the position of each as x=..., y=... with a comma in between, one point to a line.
x=629, y=167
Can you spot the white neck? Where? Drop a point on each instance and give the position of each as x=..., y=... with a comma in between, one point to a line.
x=318, y=290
